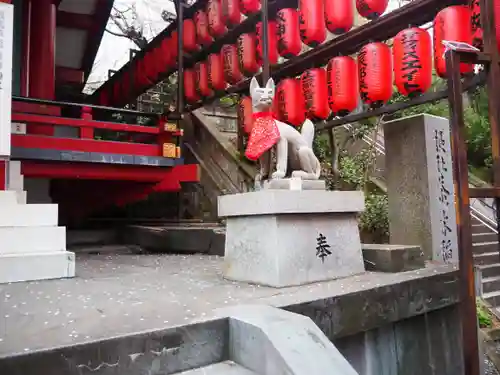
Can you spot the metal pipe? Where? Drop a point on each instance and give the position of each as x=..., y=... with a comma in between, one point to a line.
x=80, y=105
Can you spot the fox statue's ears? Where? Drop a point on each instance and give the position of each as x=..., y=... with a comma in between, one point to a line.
x=270, y=84
x=254, y=84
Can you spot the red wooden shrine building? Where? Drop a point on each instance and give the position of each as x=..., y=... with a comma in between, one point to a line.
x=80, y=156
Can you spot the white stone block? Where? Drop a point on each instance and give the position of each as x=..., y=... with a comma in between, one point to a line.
x=28, y=215
x=277, y=238
x=27, y=240
x=7, y=197
x=21, y=197
x=38, y=266
x=15, y=179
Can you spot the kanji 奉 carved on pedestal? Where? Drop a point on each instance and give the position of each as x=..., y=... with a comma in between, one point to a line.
x=294, y=149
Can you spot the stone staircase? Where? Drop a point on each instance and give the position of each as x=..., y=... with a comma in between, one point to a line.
x=33, y=245
x=487, y=261
x=207, y=142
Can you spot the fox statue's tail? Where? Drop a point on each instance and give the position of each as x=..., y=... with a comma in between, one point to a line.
x=308, y=132
x=308, y=154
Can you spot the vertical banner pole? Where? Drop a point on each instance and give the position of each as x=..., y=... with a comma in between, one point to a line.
x=180, y=57
x=265, y=41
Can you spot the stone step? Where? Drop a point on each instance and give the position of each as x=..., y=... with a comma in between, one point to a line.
x=38, y=266
x=8, y=197
x=22, y=240
x=493, y=298
x=484, y=237
x=489, y=270
x=222, y=368
x=480, y=228
x=21, y=197
x=29, y=215
x=485, y=247
x=486, y=258
x=491, y=284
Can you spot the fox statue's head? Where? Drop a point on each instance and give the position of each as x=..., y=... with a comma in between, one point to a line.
x=262, y=97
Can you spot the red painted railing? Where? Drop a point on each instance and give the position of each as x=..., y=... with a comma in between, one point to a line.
x=41, y=118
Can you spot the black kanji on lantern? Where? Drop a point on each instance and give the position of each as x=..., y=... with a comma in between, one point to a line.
x=323, y=248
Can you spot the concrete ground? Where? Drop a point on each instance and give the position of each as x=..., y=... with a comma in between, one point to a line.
x=114, y=295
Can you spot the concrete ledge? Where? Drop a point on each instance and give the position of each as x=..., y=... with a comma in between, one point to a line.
x=36, y=266
x=392, y=258
x=208, y=239
x=268, y=202
x=272, y=341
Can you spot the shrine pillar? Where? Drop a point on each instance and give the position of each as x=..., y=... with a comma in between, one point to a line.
x=42, y=56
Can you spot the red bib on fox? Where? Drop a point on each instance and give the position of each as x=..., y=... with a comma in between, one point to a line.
x=263, y=136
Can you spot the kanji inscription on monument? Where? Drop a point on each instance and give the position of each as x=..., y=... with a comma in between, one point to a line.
x=322, y=248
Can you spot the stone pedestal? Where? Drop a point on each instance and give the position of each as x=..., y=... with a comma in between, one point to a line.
x=420, y=185
x=282, y=238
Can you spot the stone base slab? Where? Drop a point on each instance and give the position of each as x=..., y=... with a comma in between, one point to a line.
x=294, y=184
x=37, y=266
x=285, y=238
x=393, y=258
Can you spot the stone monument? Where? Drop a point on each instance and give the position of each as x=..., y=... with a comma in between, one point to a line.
x=291, y=231
x=420, y=185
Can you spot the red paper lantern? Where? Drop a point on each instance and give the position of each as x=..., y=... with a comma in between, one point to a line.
x=272, y=42
x=339, y=16
x=189, y=36
x=312, y=22
x=371, y=9
x=247, y=54
x=289, y=43
x=216, y=72
x=245, y=112
x=249, y=7
x=476, y=28
x=216, y=25
x=231, y=12
x=447, y=27
x=375, y=74
x=190, y=91
x=342, y=79
x=412, y=52
x=201, y=22
x=290, y=101
x=475, y=23
x=314, y=86
x=232, y=72
x=203, y=87
x=164, y=54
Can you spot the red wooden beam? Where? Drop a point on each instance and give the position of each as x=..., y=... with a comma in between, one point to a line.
x=85, y=145
x=80, y=123
x=97, y=171
x=69, y=75
x=74, y=20
x=40, y=109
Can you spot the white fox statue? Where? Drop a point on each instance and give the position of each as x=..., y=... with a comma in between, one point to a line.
x=294, y=149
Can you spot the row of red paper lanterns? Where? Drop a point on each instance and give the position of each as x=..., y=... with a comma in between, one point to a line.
x=308, y=24
x=320, y=93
